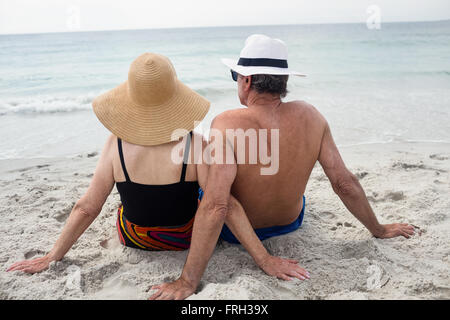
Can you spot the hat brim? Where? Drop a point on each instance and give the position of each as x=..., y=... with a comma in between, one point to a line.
x=248, y=71
x=150, y=125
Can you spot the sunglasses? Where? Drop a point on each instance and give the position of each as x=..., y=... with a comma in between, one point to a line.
x=234, y=75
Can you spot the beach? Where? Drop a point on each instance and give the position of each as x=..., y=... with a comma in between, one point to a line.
x=384, y=93
x=404, y=182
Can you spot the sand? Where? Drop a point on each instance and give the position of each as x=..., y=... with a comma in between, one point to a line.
x=405, y=182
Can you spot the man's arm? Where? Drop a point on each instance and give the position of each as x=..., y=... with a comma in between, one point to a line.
x=239, y=224
x=209, y=219
x=347, y=187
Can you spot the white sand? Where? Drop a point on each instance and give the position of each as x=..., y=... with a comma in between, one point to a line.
x=404, y=182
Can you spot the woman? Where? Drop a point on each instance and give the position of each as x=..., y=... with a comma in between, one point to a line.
x=148, y=115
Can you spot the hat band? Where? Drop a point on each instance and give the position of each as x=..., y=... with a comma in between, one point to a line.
x=263, y=62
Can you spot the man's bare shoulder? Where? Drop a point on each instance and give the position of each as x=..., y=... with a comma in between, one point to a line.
x=305, y=109
x=231, y=118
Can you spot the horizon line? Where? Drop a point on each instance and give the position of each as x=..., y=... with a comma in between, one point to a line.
x=216, y=26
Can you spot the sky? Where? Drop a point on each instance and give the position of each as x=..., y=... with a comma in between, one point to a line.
x=39, y=16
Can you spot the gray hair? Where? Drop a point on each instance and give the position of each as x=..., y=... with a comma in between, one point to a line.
x=268, y=83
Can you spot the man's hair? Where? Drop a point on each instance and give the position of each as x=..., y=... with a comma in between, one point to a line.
x=268, y=83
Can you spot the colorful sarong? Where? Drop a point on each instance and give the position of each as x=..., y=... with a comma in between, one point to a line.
x=153, y=238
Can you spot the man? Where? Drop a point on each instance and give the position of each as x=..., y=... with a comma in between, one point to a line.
x=271, y=201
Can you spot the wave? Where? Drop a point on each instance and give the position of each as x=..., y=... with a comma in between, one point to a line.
x=46, y=104
x=429, y=73
x=215, y=91
x=392, y=141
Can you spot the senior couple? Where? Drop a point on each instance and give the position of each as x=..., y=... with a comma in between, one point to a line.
x=170, y=205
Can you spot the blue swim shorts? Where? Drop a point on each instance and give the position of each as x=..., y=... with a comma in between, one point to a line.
x=263, y=233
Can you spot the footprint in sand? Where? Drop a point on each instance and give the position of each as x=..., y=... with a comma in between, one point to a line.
x=408, y=165
x=30, y=168
x=328, y=215
x=395, y=196
x=110, y=243
x=361, y=175
x=340, y=224
x=349, y=225
x=438, y=157
x=94, y=276
x=118, y=287
x=14, y=197
x=62, y=215
x=32, y=253
x=104, y=243
x=389, y=196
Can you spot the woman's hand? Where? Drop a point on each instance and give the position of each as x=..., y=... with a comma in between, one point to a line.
x=32, y=266
x=281, y=268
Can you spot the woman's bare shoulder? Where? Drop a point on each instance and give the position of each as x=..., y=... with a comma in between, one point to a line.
x=108, y=148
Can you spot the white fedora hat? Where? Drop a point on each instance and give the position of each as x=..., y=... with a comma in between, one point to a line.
x=262, y=55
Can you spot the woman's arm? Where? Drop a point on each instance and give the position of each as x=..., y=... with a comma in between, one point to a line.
x=83, y=213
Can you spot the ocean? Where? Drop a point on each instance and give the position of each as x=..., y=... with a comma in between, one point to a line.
x=373, y=86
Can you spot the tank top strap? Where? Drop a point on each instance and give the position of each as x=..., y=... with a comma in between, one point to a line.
x=186, y=157
x=122, y=160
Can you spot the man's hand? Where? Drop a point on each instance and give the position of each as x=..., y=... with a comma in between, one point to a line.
x=285, y=269
x=31, y=266
x=178, y=290
x=395, y=230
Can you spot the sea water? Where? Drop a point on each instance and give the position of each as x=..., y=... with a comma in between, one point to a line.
x=386, y=85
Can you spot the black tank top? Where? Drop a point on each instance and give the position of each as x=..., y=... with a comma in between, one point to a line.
x=158, y=205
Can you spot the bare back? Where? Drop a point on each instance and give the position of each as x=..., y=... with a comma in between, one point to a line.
x=301, y=129
x=150, y=164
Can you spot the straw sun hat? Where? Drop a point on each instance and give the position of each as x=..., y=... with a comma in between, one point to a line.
x=151, y=105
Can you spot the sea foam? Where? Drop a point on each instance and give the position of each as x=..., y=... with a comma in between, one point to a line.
x=42, y=104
